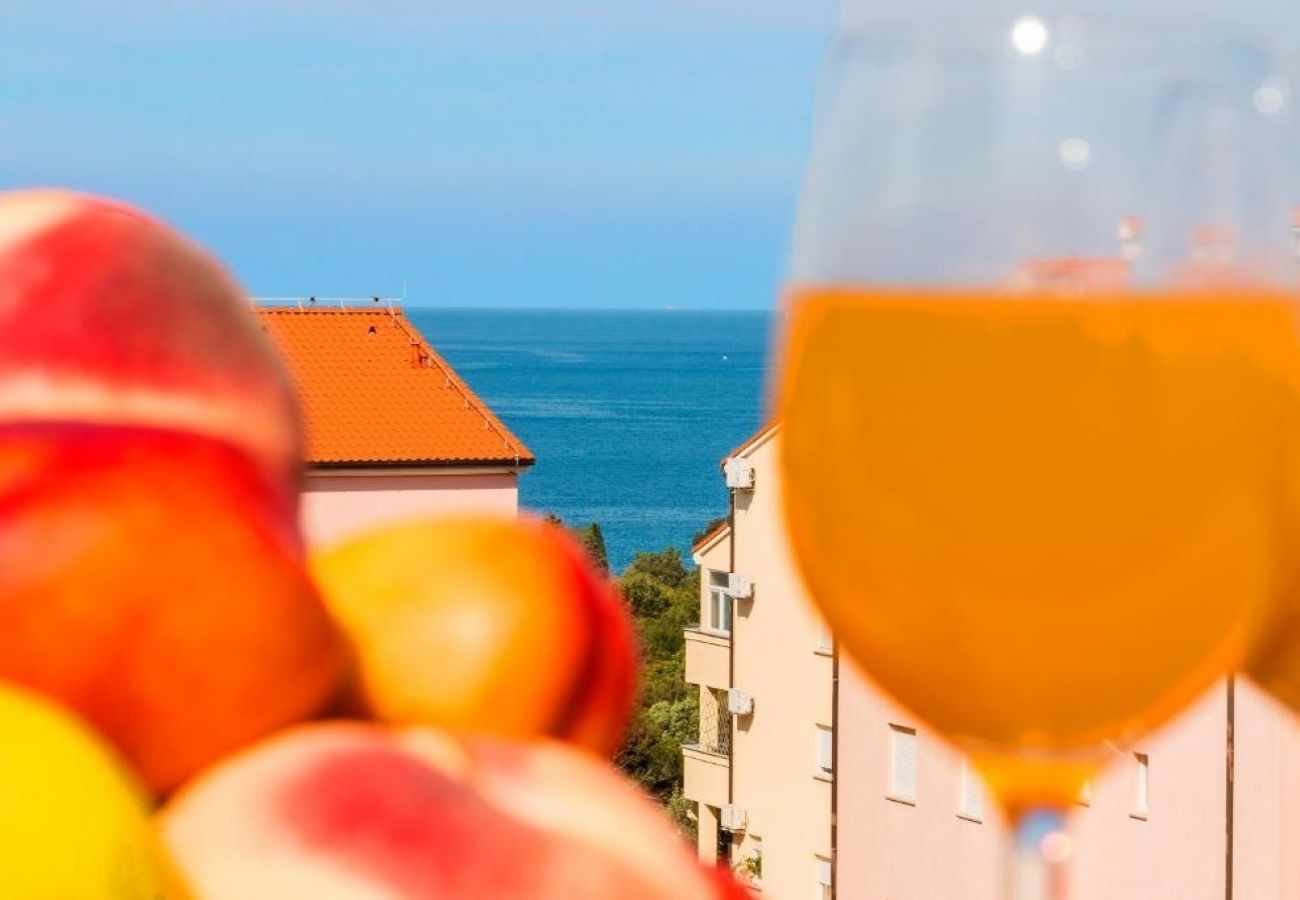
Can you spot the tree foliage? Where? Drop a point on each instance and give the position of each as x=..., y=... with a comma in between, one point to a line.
x=591, y=538
x=662, y=593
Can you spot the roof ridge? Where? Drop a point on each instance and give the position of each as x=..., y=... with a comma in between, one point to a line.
x=431, y=356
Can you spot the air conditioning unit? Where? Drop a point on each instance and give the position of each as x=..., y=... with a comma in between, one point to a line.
x=740, y=587
x=739, y=703
x=734, y=818
x=740, y=473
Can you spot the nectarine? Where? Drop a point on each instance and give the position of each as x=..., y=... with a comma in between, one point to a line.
x=349, y=811
x=109, y=316
x=153, y=582
x=74, y=824
x=487, y=624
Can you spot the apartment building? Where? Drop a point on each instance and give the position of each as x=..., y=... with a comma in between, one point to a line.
x=762, y=770
x=813, y=784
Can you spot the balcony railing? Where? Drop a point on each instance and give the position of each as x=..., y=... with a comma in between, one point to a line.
x=715, y=728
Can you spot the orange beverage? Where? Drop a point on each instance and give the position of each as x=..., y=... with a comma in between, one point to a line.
x=1044, y=521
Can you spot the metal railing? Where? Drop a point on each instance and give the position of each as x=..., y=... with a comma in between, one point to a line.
x=715, y=726
x=340, y=302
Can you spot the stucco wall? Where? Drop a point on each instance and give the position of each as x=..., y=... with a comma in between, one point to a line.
x=895, y=851
x=335, y=506
x=1177, y=851
x=1266, y=847
x=930, y=849
x=777, y=660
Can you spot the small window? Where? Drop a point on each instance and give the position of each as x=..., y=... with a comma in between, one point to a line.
x=750, y=868
x=972, y=793
x=825, y=640
x=902, y=769
x=1142, y=786
x=719, y=613
x=825, y=752
x=823, y=891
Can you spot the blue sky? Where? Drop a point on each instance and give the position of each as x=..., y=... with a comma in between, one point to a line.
x=542, y=153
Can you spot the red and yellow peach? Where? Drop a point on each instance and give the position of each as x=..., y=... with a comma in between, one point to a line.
x=150, y=581
x=108, y=316
x=349, y=811
x=487, y=624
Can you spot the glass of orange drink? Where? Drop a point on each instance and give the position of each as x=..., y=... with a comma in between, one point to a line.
x=1040, y=380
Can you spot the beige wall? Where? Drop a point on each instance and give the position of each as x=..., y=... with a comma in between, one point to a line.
x=1175, y=851
x=338, y=505
x=1266, y=847
x=889, y=850
x=777, y=661
x=930, y=849
x=776, y=641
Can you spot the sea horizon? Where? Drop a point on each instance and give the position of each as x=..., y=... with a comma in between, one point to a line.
x=629, y=425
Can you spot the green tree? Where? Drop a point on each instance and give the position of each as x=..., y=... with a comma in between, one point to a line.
x=594, y=540
x=666, y=566
x=663, y=596
x=591, y=538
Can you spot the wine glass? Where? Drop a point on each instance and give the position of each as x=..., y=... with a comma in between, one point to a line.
x=1040, y=382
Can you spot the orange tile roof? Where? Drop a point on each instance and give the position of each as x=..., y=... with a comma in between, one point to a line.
x=374, y=392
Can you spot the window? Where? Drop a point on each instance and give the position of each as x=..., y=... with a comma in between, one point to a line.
x=825, y=640
x=825, y=752
x=719, y=612
x=902, y=768
x=1141, y=785
x=823, y=891
x=972, y=793
x=752, y=866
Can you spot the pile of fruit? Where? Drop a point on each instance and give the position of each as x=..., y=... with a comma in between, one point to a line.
x=190, y=707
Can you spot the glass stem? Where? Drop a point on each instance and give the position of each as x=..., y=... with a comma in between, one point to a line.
x=1039, y=858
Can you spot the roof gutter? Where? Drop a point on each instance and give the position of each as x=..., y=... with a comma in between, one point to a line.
x=417, y=465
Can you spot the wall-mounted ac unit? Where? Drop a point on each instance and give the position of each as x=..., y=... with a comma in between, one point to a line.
x=739, y=703
x=734, y=818
x=740, y=587
x=740, y=473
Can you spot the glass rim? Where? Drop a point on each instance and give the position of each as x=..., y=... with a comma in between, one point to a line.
x=975, y=29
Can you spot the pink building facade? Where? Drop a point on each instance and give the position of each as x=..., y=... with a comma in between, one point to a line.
x=339, y=504
x=1208, y=807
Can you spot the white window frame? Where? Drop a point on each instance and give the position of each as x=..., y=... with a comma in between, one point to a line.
x=825, y=753
x=1141, y=786
x=973, y=800
x=901, y=736
x=719, y=605
x=823, y=884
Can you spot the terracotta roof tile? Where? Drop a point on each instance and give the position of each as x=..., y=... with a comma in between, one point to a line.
x=374, y=392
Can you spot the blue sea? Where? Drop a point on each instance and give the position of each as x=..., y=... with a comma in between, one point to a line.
x=628, y=412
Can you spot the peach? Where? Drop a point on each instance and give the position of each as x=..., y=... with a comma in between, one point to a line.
x=73, y=821
x=109, y=316
x=153, y=581
x=351, y=811
x=486, y=624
